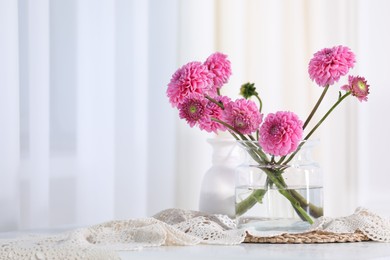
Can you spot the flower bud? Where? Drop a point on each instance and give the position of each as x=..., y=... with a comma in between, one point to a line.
x=247, y=90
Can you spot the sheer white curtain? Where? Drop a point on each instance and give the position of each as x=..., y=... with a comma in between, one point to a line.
x=373, y=142
x=9, y=116
x=87, y=133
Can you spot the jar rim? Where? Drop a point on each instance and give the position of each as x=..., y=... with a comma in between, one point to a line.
x=309, y=141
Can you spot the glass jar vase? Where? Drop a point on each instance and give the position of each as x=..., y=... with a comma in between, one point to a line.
x=278, y=193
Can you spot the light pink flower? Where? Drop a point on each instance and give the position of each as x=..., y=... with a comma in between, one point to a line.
x=358, y=87
x=193, y=108
x=329, y=64
x=194, y=77
x=280, y=133
x=243, y=115
x=214, y=111
x=219, y=65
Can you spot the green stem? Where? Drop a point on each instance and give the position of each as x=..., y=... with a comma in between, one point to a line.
x=260, y=103
x=230, y=127
x=234, y=135
x=280, y=161
x=274, y=177
x=316, y=106
x=287, y=194
x=215, y=101
x=317, y=125
x=250, y=201
x=313, y=209
x=251, y=137
x=296, y=200
x=255, y=152
x=256, y=148
x=326, y=115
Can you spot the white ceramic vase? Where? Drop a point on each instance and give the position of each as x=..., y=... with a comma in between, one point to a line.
x=217, y=194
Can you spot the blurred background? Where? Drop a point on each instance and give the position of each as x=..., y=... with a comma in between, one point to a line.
x=87, y=133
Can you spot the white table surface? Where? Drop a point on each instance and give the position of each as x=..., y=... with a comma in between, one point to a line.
x=331, y=251
x=355, y=251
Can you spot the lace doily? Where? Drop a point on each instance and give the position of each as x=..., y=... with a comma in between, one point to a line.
x=375, y=227
x=169, y=227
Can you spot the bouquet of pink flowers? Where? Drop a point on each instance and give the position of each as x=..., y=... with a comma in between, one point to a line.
x=274, y=139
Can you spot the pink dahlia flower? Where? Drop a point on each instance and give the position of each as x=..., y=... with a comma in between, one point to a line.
x=280, y=133
x=243, y=115
x=329, y=64
x=358, y=87
x=193, y=108
x=194, y=77
x=214, y=111
x=219, y=65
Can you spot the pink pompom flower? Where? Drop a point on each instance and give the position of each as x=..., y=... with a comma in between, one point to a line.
x=358, y=87
x=219, y=65
x=215, y=111
x=193, y=108
x=243, y=115
x=194, y=77
x=329, y=64
x=280, y=133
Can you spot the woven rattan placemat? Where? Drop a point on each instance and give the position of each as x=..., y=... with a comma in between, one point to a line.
x=309, y=238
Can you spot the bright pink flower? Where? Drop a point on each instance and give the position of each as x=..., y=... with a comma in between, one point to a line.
x=214, y=111
x=193, y=108
x=219, y=65
x=280, y=133
x=194, y=77
x=358, y=87
x=329, y=64
x=243, y=115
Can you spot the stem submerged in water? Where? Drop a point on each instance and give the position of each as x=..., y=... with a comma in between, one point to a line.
x=255, y=197
x=274, y=177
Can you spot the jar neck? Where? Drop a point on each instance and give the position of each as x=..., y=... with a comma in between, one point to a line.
x=304, y=155
x=224, y=151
